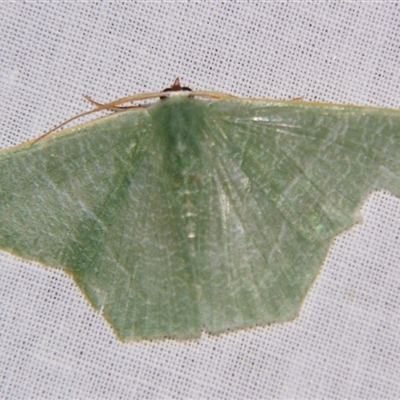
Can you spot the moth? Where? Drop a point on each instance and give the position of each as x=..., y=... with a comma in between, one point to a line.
x=200, y=211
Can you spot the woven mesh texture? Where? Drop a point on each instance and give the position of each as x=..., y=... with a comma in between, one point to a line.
x=346, y=341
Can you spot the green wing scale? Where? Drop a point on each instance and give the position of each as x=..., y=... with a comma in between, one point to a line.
x=194, y=215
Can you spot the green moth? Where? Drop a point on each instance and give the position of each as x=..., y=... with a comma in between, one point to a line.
x=200, y=211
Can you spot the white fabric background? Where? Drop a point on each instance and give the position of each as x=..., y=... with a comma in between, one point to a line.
x=346, y=341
